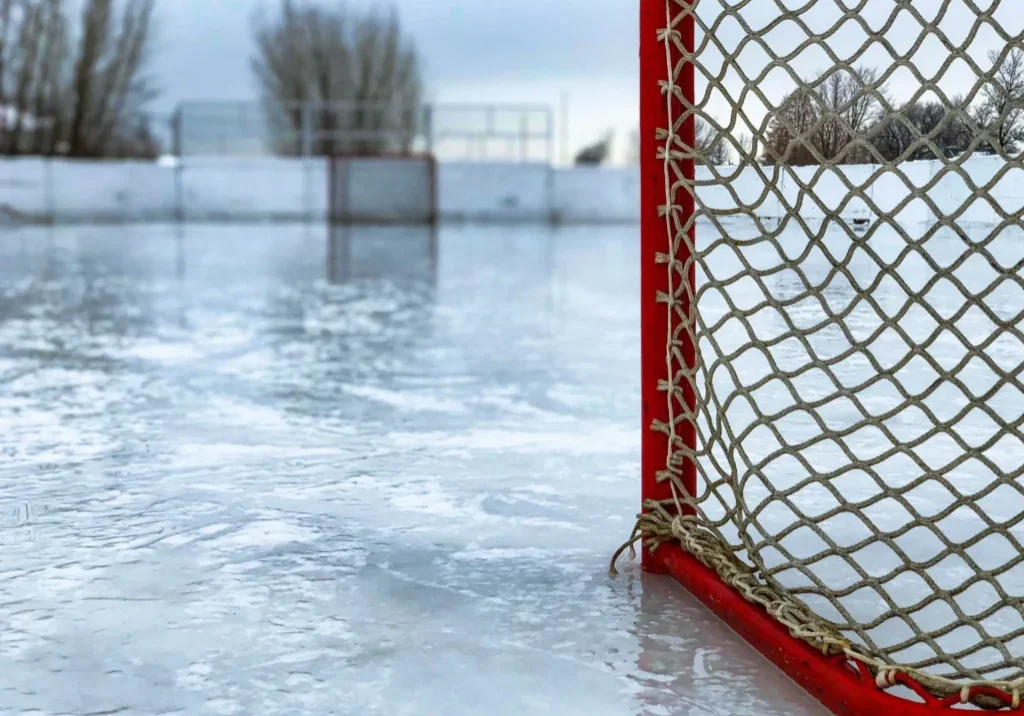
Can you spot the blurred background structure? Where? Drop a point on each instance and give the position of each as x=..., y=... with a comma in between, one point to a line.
x=128, y=78
x=114, y=110
x=311, y=128
x=117, y=110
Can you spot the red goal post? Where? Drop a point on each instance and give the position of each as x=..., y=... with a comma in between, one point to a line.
x=668, y=224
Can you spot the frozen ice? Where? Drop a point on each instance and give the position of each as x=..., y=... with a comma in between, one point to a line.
x=271, y=470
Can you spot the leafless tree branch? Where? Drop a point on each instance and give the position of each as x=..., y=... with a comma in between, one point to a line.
x=352, y=80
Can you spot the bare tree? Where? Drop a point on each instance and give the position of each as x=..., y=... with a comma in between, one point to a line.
x=1001, y=112
x=938, y=126
x=82, y=100
x=710, y=144
x=21, y=40
x=747, y=148
x=52, y=93
x=893, y=135
x=720, y=154
x=19, y=70
x=110, y=86
x=789, y=133
x=352, y=80
x=846, y=109
x=831, y=117
x=8, y=20
x=916, y=130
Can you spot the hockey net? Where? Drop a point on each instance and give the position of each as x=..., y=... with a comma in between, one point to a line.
x=839, y=347
x=382, y=189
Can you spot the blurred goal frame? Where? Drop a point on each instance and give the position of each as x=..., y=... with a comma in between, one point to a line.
x=842, y=685
x=335, y=161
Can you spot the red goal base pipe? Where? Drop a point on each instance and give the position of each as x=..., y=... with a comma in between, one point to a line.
x=839, y=687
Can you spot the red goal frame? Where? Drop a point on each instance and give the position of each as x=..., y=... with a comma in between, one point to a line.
x=841, y=685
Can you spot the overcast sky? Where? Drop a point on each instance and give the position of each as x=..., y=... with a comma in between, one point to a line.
x=479, y=50
x=497, y=51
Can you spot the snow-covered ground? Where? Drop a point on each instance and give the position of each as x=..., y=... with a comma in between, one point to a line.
x=888, y=417
x=267, y=471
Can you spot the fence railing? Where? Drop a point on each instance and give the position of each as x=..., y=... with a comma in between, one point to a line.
x=452, y=131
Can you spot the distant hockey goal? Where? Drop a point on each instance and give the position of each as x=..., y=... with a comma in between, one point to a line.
x=832, y=355
x=382, y=189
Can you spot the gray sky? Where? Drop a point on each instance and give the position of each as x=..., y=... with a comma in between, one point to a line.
x=474, y=50
x=534, y=50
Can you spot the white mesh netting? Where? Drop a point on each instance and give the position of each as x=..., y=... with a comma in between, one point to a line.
x=859, y=296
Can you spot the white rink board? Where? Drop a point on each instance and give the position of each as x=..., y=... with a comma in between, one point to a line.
x=289, y=189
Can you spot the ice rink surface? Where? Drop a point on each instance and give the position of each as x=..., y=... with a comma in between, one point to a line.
x=270, y=470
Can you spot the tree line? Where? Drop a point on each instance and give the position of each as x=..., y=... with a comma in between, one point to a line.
x=836, y=118
x=75, y=86
x=333, y=79
x=75, y=78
